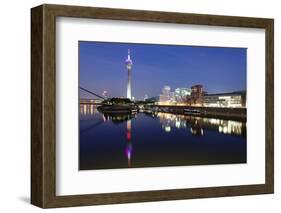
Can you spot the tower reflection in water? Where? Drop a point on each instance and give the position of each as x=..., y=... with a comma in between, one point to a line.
x=129, y=147
x=191, y=125
x=120, y=118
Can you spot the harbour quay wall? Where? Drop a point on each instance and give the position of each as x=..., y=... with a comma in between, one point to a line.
x=215, y=112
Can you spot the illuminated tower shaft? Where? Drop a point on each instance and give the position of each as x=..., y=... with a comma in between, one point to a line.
x=129, y=64
x=129, y=86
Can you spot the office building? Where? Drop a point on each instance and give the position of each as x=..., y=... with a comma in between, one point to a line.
x=232, y=99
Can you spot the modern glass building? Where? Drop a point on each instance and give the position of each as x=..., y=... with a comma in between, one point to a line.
x=165, y=97
x=181, y=94
x=233, y=99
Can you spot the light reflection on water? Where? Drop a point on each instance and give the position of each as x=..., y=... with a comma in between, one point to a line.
x=88, y=109
x=170, y=121
x=140, y=128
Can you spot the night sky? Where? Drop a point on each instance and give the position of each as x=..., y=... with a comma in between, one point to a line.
x=102, y=67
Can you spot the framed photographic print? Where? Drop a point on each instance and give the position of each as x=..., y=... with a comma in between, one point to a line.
x=135, y=106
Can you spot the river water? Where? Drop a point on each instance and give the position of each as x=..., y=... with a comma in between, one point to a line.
x=157, y=139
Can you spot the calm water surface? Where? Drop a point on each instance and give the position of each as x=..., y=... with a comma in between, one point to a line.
x=157, y=139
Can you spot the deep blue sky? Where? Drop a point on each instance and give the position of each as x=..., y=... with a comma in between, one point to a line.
x=102, y=67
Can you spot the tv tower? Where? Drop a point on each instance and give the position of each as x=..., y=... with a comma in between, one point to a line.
x=129, y=64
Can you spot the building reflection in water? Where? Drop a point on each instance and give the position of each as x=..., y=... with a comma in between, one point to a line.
x=169, y=120
x=197, y=124
x=88, y=109
x=196, y=127
x=226, y=126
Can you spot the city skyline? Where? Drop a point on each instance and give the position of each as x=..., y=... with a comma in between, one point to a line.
x=102, y=68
